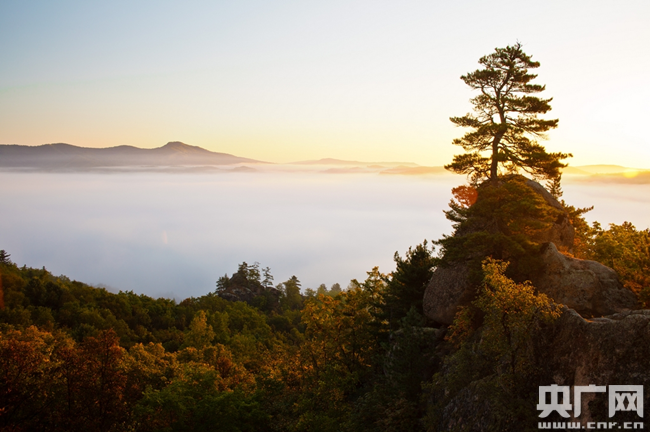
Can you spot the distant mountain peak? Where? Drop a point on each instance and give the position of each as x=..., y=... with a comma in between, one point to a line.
x=182, y=147
x=176, y=144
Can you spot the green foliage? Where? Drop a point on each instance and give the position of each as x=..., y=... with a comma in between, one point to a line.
x=406, y=285
x=291, y=299
x=510, y=311
x=411, y=354
x=505, y=116
x=505, y=222
x=4, y=257
x=193, y=401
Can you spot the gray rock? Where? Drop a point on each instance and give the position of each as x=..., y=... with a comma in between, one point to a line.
x=612, y=350
x=589, y=287
x=468, y=411
x=541, y=190
x=448, y=289
x=574, y=351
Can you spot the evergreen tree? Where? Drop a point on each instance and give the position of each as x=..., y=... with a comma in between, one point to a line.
x=504, y=121
x=507, y=222
x=291, y=290
x=4, y=257
x=406, y=286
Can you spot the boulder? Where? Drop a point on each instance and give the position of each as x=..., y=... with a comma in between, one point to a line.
x=589, y=287
x=449, y=288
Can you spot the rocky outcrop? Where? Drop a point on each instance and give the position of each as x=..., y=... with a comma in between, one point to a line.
x=607, y=350
x=612, y=350
x=448, y=289
x=589, y=287
x=248, y=294
x=474, y=392
x=469, y=410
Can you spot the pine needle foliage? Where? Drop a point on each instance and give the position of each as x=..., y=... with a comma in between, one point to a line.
x=505, y=122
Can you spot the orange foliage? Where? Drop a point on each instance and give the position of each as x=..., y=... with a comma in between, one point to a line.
x=465, y=196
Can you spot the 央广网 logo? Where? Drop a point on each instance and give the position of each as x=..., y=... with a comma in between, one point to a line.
x=556, y=398
x=621, y=398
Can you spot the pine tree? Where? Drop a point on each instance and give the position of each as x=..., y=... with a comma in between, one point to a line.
x=505, y=122
x=4, y=257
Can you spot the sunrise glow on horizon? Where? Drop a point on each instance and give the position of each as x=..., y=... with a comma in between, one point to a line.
x=291, y=81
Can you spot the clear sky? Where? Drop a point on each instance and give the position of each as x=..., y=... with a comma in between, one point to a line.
x=293, y=80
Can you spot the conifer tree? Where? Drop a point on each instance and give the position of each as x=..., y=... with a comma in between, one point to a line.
x=505, y=121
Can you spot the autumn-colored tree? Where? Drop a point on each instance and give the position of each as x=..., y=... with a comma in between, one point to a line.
x=200, y=334
x=497, y=357
x=511, y=311
x=340, y=349
x=626, y=250
x=28, y=374
x=93, y=384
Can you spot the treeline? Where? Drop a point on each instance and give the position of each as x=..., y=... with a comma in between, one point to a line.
x=76, y=357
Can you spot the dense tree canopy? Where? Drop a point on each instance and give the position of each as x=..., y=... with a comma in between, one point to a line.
x=505, y=121
x=249, y=356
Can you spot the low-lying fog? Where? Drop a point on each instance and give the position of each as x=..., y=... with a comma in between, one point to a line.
x=173, y=235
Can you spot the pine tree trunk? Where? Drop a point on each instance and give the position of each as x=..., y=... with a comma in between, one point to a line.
x=494, y=160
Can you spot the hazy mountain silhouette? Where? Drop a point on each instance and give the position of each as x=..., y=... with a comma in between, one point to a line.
x=69, y=157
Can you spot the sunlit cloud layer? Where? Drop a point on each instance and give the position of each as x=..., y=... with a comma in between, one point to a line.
x=173, y=235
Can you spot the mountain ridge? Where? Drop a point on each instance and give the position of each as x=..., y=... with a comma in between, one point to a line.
x=178, y=155
x=67, y=156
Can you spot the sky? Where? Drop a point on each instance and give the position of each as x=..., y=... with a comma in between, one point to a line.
x=284, y=81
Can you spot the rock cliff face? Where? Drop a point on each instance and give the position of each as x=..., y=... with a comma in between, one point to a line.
x=248, y=294
x=449, y=288
x=599, y=339
x=589, y=287
x=612, y=350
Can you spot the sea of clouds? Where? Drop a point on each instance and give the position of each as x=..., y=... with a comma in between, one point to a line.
x=173, y=234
